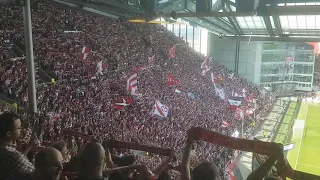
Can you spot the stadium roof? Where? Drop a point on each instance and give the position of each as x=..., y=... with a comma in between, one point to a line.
x=285, y=20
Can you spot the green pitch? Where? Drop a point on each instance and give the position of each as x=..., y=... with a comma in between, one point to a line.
x=305, y=156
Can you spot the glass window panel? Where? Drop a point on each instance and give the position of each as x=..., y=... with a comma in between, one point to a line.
x=293, y=23
x=311, y=22
x=190, y=35
x=251, y=25
x=176, y=29
x=183, y=32
x=284, y=22
x=197, y=39
x=204, y=41
x=169, y=27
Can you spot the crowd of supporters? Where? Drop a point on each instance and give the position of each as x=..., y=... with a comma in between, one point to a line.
x=81, y=98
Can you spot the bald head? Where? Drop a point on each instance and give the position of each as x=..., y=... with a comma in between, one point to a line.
x=48, y=163
x=91, y=160
x=92, y=154
x=47, y=156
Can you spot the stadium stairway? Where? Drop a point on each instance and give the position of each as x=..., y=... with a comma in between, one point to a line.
x=41, y=75
x=14, y=49
x=244, y=164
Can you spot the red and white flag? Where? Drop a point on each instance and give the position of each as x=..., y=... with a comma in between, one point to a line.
x=205, y=65
x=120, y=104
x=172, y=80
x=172, y=52
x=239, y=115
x=84, y=53
x=216, y=79
x=234, y=102
x=100, y=67
x=249, y=98
x=160, y=109
x=132, y=84
x=225, y=124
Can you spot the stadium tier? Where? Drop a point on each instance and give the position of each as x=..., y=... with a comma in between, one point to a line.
x=119, y=100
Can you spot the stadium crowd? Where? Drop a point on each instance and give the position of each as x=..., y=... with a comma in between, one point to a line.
x=81, y=97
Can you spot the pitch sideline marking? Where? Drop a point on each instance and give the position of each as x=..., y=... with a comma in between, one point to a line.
x=295, y=166
x=309, y=165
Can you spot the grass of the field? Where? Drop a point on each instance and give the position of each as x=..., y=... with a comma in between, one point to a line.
x=305, y=156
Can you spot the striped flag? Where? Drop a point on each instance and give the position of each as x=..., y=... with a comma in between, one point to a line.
x=172, y=52
x=239, y=114
x=84, y=53
x=225, y=124
x=160, y=109
x=132, y=84
x=205, y=65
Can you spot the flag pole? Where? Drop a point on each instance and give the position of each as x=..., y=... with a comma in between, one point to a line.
x=242, y=124
x=225, y=161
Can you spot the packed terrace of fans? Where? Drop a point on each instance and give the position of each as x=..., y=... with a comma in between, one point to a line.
x=82, y=99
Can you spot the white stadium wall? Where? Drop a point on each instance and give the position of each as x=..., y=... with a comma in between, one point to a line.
x=223, y=51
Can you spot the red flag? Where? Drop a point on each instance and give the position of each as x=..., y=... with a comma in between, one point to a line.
x=120, y=104
x=172, y=52
x=172, y=80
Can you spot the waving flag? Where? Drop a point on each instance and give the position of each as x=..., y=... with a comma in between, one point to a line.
x=132, y=84
x=225, y=124
x=234, y=102
x=172, y=52
x=244, y=91
x=249, y=98
x=217, y=82
x=248, y=110
x=239, y=115
x=172, y=80
x=85, y=52
x=120, y=104
x=205, y=65
x=217, y=79
x=100, y=67
x=219, y=91
x=160, y=109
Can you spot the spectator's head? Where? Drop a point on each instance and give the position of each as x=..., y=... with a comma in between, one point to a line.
x=62, y=147
x=91, y=160
x=48, y=164
x=205, y=171
x=10, y=127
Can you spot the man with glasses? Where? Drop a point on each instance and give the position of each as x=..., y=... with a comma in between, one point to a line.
x=13, y=164
x=48, y=163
